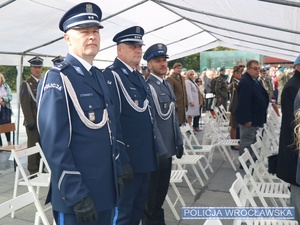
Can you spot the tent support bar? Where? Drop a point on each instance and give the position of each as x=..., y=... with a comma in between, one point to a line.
x=225, y=17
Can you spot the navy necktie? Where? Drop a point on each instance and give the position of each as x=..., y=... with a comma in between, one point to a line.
x=93, y=72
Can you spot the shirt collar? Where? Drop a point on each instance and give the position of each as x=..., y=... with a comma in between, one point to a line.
x=84, y=63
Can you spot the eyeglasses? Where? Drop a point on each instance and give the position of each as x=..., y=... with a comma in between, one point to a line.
x=241, y=66
x=255, y=68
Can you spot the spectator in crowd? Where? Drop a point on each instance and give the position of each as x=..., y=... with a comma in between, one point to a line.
x=78, y=126
x=196, y=119
x=237, y=73
x=221, y=89
x=282, y=80
x=288, y=155
x=275, y=84
x=178, y=85
x=58, y=59
x=167, y=122
x=209, y=96
x=5, y=108
x=145, y=72
x=193, y=97
x=253, y=101
x=266, y=82
x=28, y=105
x=132, y=98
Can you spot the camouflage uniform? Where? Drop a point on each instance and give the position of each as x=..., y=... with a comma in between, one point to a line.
x=221, y=90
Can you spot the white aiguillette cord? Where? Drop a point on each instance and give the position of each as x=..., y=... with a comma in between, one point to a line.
x=166, y=115
x=127, y=97
x=79, y=110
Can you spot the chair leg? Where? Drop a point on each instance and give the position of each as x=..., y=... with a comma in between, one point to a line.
x=16, y=184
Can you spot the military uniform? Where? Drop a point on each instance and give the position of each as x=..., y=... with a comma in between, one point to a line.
x=221, y=90
x=28, y=105
x=178, y=85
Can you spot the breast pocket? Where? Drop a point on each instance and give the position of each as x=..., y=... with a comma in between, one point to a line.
x=164, y=102
x=136, y=97
x=92, y=106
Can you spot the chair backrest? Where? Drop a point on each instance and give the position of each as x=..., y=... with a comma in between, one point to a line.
x=240, y=193
x=7, y=127
x=16, y=203
x=24, y=153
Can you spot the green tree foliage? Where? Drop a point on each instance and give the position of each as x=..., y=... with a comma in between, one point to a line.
x=190, y=62
x=10, y=73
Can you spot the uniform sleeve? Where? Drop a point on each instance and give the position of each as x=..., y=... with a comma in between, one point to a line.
x=55, y=131
x=114, y=96
x=25, y=104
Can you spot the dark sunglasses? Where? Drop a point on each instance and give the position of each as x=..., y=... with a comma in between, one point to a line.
x=242, y=66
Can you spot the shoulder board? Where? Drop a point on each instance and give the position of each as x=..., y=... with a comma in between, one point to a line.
x=61, y=66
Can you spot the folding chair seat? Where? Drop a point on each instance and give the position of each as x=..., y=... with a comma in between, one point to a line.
x=192, y=146
x=176, y=177
x=39, y=179
x=263, y=187
x=223, y=143
x=191, y=160
x=243, y=198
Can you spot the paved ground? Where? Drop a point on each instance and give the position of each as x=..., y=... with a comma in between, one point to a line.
x=214, y=193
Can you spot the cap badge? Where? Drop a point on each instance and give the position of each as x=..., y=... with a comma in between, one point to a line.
x=159, y=46
x=89, y=8
x=138, y=30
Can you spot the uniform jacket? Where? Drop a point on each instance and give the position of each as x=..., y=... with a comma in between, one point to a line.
x=234, y=95
x=169, y=129
x=28, y=105
x=141, y=137
x=178, y=85
x=288, y=154
x=221, y=87
x=253, y=102
x=83, y=160
x=267, y=84
x=193, y=95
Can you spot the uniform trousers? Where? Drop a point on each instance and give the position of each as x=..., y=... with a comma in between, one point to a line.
x=132, y=201
x=247, y=137
x=104, y=218
x=158, y=189
x=33, y=160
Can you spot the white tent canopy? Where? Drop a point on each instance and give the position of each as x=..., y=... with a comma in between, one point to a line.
x=30, y=27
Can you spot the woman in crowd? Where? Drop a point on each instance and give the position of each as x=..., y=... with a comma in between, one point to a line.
x=196, y=119
x=5, y=108
x=193, y=96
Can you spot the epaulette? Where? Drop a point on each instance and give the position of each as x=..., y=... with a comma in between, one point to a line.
x=111, y=67
x=60, y=66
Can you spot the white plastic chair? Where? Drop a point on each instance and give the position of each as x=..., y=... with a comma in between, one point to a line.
x=193, y=147
x=40, y=180
x=243, y=198
x=176, y=177
x=260, y=187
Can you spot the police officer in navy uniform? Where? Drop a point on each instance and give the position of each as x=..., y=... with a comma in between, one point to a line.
x=77, y=125
x=167, y=122
x=28, y=105
x=57, y=59
x=131, y=97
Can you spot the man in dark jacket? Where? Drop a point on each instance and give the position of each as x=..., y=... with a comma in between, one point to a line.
x=288, y=154
x=253, y=101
